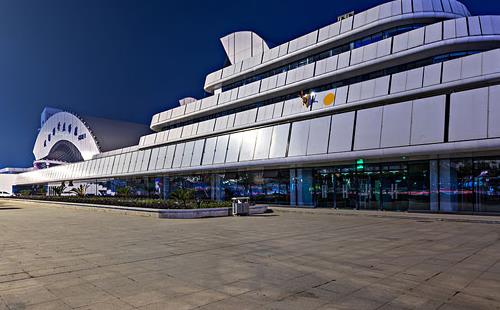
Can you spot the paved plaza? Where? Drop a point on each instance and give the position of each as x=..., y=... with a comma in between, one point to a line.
x=61, y=258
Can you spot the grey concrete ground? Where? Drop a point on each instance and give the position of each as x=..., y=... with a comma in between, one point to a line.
x=60, y=258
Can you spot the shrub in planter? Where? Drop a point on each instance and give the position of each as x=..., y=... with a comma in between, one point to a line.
x=135, y=202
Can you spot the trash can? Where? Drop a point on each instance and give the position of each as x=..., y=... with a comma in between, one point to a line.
x=241, y=205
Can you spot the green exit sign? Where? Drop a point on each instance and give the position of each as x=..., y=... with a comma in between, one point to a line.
x=360, y=164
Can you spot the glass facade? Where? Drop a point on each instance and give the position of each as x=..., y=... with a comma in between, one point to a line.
x=464, y=185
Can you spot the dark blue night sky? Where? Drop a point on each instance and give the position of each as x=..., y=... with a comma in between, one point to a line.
x=128, y=59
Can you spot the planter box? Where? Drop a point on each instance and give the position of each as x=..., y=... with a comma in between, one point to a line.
x=193, y=213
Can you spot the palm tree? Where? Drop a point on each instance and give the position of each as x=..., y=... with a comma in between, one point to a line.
x=81, y=190
x=59, y=190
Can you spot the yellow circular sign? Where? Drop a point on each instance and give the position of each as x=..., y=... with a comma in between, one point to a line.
x=329, y=99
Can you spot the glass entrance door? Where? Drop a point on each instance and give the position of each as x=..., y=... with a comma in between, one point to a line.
x=368, y=190
x=345, y=196
x=394, y=190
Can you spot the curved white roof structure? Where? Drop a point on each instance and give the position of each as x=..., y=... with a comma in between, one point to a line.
x=66, y=138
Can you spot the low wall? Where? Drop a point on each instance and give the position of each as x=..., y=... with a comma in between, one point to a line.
x=201, y=213
x=193, y=213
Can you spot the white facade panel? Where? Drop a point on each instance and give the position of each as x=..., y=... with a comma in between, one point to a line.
x=367, y=89
x=209, y=102
x=341, y=95
x=178, y=112
x=370, y=52
x=416, y=37
x=427, y=124
x=401, y=42
x=368, y=127
x=131, y=166
x=278, y=109
x=116, y=166
x=188, y=154
x=197, y=152
x=346, y=24
x=385, y=10
x=469, y=115
x=396, y=125
x=206, y=126
x=248, y=145
x=471, y=66
x=449, y=29
x=384, y=48
x=283, y=49
x=208, y=153
x=490, y=62
x=354, y=92
x=265, y=113
x=220, y=149
x=169, y=158
x=329, y=31
x=414, y=78
x=190, y=108
x=319, y=133
x=494, y=112
x=396, y=7
x=357, y=55
x=432, y=75
x=279, y=141
x=221, y=123
x=382, y=86
x=446, y=6
x=433, y=33
x=230, y=120
x=179, y=152
x=359, y=20
x=398, y=83
x=343, y=60
x=263, y=143
x=125, y=165
x=372, y=14
x=160, y=162
x=341, y=132
x=153, y=159
x=138, y=163
x=234, y=146
x=145, y=160
x=461, y=27
x=418, y=6
x=437, y=6
x=165, y=116
x=452, y=70
x=407, y=6
x=299, y=138
x=281, y=80
x=474, y=26
x=270, y=54
x=175, y=133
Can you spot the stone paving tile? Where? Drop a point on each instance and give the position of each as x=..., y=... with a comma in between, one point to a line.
x=75, y=259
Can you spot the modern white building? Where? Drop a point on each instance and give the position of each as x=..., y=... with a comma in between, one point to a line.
x=393, y=108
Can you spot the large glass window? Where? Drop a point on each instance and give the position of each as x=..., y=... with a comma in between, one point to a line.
x=456, y=183
x=487, y=185
x=419, y=186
